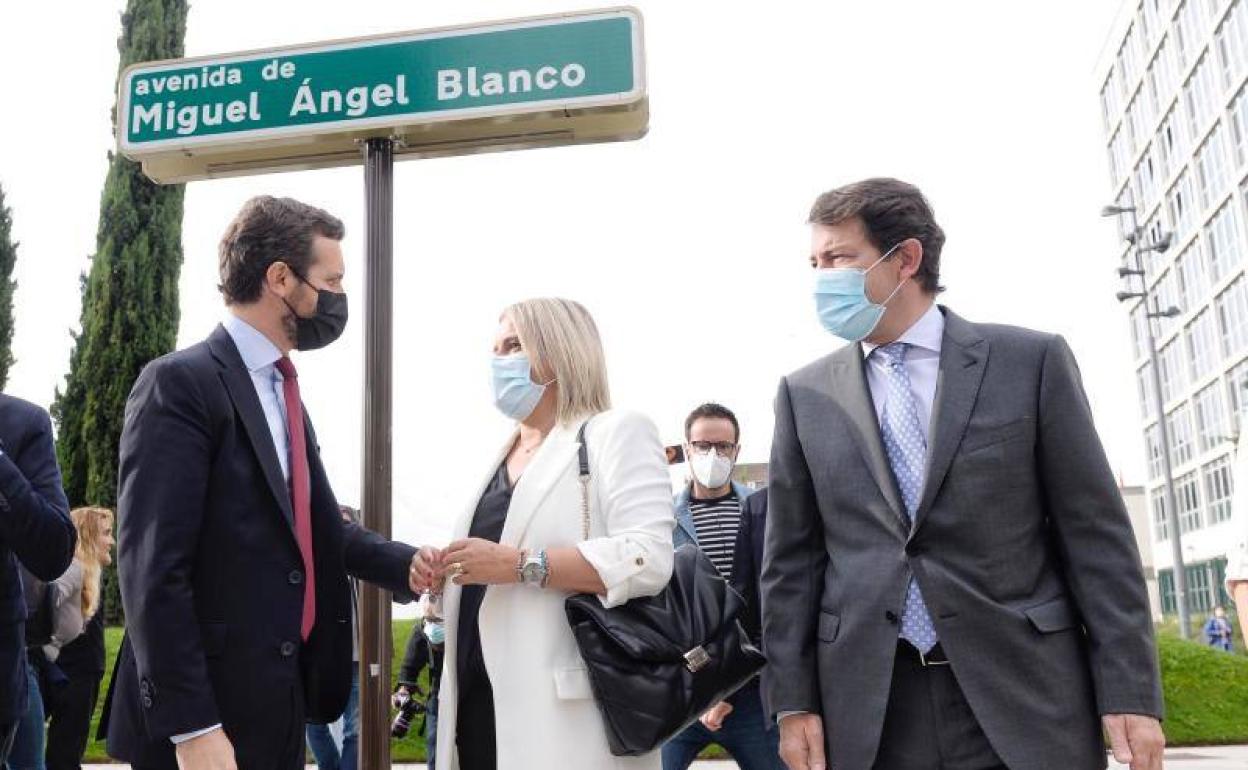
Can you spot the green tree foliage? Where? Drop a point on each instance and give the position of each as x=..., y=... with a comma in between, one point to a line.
x=8, y=257
x=129, y=297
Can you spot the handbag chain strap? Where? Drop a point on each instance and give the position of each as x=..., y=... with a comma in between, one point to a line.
x=583, y=461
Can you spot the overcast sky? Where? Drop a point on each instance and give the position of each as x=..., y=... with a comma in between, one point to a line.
x=688, y=246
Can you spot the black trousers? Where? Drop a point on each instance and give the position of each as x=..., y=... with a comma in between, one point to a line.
x=69, y=712
x=7, y=734
x=928, y=724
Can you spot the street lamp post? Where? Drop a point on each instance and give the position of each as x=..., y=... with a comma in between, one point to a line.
x=1153, y=310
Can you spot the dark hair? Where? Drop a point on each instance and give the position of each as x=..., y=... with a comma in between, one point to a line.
x=265, y=231
x=890, y=211
x=713, y=411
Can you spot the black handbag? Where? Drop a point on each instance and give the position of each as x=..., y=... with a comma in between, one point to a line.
x=658, y=663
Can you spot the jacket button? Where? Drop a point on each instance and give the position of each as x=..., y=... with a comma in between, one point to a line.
x=288, y=649
x=295, y=577
x=640, y=561
x=890, y=616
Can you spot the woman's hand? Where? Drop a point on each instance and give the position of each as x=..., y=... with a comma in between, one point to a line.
x=480, y=562
x=427, y=572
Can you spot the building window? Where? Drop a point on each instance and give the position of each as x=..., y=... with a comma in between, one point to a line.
x=1211, y=167
x=1231, y=41
x=1186, y=45
x=1147, y=172
x=1172, y=370
x=1236, y=383
x=1187, y=498
x=1182, y=438
x=1239, y=126
x=1161, y=527
x=1225, y=246
x=1219, y=486
x=1193, y=278
x=1182, y=206
x=1166, y=295
x=1233, y=317
x=1205, y=587
x=1198, y=97
x=1202, y=344
x=1212, y=422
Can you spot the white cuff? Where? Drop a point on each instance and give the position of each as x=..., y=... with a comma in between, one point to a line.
x=184, y=737
x=785, y=714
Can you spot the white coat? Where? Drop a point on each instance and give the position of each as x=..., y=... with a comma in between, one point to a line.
x=544, y=712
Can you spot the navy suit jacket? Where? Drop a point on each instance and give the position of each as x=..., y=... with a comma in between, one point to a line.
x=211, y=576
x=35, y=529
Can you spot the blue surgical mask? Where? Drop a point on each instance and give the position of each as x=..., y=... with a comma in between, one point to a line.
x=842, y=303
x=435, y=633
x=515, y=393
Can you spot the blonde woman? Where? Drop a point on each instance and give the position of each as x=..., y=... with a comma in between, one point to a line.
x=78, y=639
x=515, y=694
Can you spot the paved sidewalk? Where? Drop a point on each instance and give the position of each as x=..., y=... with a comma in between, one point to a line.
x=1205, y=758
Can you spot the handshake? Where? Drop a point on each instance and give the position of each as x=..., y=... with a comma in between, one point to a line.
x=472, y=561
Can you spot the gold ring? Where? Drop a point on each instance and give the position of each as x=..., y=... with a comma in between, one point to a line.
x=455, y=570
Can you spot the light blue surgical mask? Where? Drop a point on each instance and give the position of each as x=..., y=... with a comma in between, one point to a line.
x=842, y=303
x=515, y=393
x=435, y=633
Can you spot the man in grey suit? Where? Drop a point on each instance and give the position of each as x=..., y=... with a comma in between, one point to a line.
x=943, y=524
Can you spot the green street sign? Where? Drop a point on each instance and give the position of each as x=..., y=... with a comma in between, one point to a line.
x=506, y=85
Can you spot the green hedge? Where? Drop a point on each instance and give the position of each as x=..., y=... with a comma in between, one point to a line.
x=1205, y=693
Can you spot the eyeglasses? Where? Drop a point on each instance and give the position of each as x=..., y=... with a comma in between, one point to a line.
x=720, y=447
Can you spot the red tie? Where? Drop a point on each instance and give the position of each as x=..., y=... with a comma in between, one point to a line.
x=301, y=489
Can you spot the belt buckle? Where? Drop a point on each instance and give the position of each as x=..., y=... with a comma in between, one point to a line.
x=696, y=659
x=926, y=663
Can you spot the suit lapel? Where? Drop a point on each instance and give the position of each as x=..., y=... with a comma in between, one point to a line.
x=963, y=356
x=540, y=477
x=849, y=387
x=243, y=393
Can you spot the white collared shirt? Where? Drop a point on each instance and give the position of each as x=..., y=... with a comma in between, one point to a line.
x=260, y=356
x=922, y=364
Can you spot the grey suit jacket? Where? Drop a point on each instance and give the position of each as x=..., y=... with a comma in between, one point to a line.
x=1021, y=545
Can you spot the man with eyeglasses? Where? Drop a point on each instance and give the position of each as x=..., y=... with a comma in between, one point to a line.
x=725, y=520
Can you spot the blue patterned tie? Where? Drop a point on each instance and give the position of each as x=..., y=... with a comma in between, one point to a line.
x=907, y=454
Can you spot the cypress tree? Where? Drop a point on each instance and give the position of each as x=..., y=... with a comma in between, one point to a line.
x=8, y=257
x=129, y=296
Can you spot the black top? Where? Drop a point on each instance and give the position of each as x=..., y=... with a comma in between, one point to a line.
x=85, y=655
x=487, y=524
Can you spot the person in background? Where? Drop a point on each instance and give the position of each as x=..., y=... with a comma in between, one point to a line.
x=37, y=534
x=79, y=656
x=425, y=648
x=331, y=754
x=1218, y=631
x=711, y=514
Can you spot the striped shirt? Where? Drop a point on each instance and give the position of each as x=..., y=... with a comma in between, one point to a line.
x=716, y=522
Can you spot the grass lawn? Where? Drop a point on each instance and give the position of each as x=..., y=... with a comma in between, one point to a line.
x=1205, y=694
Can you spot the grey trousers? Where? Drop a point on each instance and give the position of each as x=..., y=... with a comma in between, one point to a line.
x=928, y=724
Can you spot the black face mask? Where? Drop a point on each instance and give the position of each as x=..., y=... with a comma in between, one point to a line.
x=326, y=325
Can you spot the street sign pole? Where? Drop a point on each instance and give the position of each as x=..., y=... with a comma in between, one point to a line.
x=375, y=637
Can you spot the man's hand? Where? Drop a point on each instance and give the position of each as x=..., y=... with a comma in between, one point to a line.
x=801, y=742
x=1136, y=740
x=210, y=751
x=713, y=720
x=426, y=573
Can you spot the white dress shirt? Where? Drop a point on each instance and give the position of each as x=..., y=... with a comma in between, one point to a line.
x=260, y=356
x=922, y=364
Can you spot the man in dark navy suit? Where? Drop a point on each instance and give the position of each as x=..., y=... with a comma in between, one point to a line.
x=232, y=555
x=36, y=530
